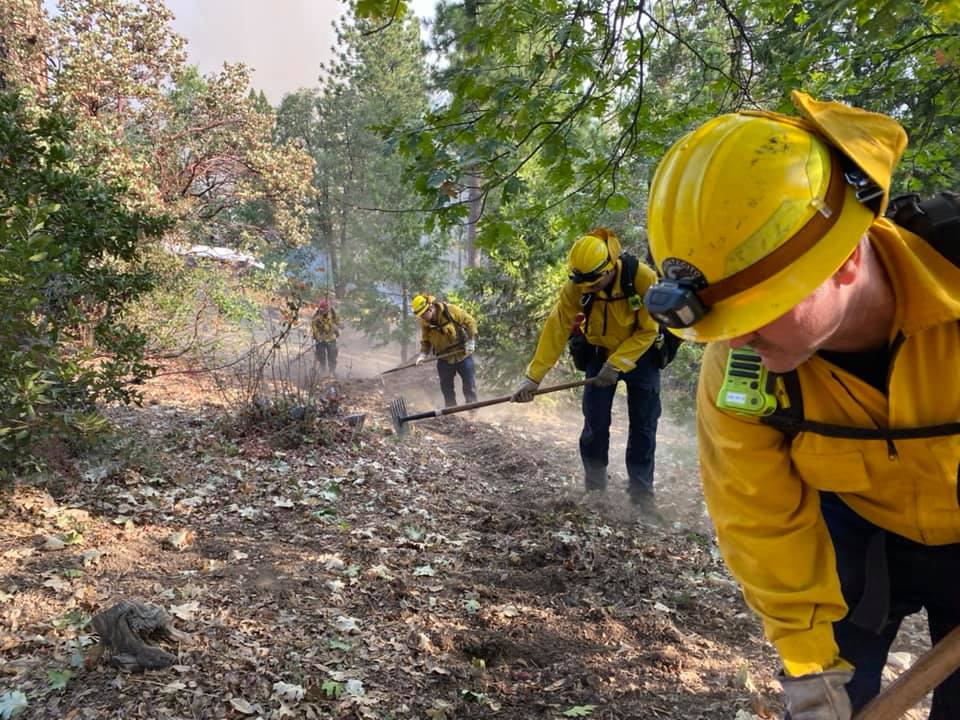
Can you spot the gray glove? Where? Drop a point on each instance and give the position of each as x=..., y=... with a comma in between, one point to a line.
x=470, y=345
x=420, y=358
x=524, y=393
x=821, y=696
x=608, y=375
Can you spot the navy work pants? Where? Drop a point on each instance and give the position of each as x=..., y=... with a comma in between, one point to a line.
x=448, y=371
x=884, y=578
x=643, y=408
x=326, y=354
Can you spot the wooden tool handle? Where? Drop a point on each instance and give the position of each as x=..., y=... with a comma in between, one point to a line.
x=507, y=398
x=930, y=669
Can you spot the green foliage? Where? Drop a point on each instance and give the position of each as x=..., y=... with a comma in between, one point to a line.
x=362, y=217
x=678, y=382
x=580, y=711
x=902, y=59
x=332, y=688
x=58, y=679
x=68, y=270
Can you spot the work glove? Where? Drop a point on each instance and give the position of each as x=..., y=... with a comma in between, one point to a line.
x=470, y=345
x=821, y=696
x=524, y=393
x=608, y=375
x=420, y=358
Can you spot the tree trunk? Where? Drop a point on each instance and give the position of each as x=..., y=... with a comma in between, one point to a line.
x=404, y=314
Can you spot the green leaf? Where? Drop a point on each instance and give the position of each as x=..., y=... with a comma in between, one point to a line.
x=12, y=703
x=618, y=203
x=580, y=711
x=332, y=689
x=59, y=678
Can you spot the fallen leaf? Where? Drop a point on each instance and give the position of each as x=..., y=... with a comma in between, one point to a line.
x=288, y=692
x=185, y=611
x=180, y=539
x=53, y=543
x=346, y=624
x=91, y=557
x=241, y=705
x=12, y=704
x=56, y=583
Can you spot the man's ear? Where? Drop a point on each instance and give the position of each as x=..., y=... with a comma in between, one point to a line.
x=848, y=272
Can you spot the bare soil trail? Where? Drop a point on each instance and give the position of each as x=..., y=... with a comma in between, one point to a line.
x=459, y=573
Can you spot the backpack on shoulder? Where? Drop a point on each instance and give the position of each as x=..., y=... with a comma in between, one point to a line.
x=582, y=352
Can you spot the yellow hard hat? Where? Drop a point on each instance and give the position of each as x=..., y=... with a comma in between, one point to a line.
x=747, y=216
x=420, y=303
x=592, y=255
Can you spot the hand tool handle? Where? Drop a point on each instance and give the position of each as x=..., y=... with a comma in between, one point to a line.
x=428, y=359
x=930, y=669
x=506, y=398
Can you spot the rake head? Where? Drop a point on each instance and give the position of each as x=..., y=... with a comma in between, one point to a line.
x=398, y=415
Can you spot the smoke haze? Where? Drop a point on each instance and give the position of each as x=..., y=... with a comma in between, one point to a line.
x=283, y=41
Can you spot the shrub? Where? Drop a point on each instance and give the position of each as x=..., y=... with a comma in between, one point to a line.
x=69, y=253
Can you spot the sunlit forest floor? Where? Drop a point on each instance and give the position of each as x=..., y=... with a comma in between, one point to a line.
x=459, y=572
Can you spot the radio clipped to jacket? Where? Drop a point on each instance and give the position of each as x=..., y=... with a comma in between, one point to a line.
x=748, y=387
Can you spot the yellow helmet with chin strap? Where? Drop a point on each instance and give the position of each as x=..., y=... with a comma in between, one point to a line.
x=751, y=212
x=592, y=255
x=420, y=303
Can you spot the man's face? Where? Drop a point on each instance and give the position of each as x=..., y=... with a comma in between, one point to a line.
x=794, y=337
x=600, y=284
x=428, y=314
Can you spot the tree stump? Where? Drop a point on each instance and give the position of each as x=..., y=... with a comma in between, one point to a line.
x=127, y=628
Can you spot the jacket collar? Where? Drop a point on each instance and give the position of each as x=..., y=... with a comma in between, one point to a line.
x=926, y=285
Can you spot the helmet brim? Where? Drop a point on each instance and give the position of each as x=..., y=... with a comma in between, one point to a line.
x=752, y=309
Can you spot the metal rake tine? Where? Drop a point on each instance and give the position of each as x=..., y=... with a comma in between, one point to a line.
x=398, y=412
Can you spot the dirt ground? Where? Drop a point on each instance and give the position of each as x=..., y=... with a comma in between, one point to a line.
x=459, y=572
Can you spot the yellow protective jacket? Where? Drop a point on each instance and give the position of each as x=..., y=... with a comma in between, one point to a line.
x=762, y=487
x=325, y=327
x=450, y=327
x=624, y=332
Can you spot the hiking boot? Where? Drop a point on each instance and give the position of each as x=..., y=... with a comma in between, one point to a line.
x=646, y=503
x=595, y=481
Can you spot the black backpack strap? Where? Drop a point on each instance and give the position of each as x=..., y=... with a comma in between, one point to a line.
x=461, y=332
x=935, y=219
x=628, y=286
x=788, y=418
x=628, y=274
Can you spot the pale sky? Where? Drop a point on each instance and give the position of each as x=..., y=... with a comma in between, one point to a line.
x=283, y=41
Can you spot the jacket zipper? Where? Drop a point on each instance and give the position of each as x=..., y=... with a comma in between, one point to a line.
x=891, y=448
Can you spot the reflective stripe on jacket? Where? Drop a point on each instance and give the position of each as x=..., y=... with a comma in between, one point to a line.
x=613, y=324
x=450, y=327
x=761, y=486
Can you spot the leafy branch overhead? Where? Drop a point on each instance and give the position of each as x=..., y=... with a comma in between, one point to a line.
x=586, y=95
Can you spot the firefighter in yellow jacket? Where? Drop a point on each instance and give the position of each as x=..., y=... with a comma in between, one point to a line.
x=325, y=328
x=832, y=482
x=617, y=338
x=448, y=331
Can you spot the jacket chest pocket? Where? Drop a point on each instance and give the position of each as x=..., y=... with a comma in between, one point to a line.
x=832, y=471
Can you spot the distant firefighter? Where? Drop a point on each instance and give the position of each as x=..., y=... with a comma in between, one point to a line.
x=325, y=328
x=451, y=335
